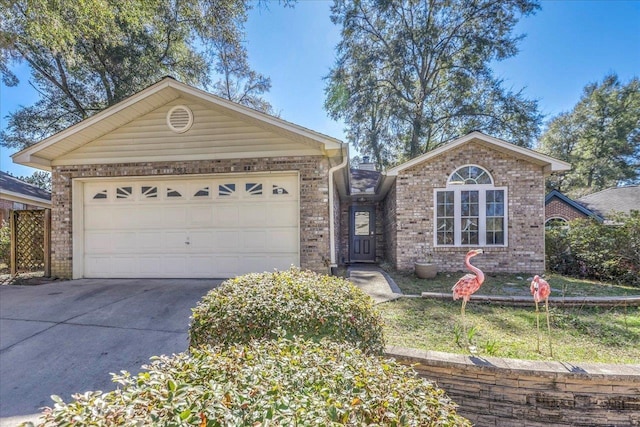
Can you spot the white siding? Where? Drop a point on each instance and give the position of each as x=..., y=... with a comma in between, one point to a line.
x=213, y=135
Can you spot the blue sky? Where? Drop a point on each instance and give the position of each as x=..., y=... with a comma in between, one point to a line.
x=568, y=44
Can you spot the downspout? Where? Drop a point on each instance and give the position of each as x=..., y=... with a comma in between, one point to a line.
x=332, y=236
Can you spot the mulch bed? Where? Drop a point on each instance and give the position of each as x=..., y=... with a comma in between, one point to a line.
x=26, y=279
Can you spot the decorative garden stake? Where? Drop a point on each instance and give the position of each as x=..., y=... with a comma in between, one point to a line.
x=541, y=290
x=468, y=284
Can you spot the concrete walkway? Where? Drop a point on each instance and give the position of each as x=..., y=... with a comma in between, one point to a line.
x=374, y=281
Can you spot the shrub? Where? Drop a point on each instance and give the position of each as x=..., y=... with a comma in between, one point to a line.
x=287, y=303
x=5, y=243
x=276, y=382
x=590, y=249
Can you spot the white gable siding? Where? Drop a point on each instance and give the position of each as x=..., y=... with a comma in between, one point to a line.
x=213, y=136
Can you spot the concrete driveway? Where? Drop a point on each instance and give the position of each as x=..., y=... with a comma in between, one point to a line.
x=66, y=337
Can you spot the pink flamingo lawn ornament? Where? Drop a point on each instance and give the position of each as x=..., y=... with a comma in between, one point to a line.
x=468, y=284
x=541, y=290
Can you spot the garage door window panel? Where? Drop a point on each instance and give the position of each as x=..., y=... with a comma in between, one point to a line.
x=124, y=193
x=253, y=189
x=101, y=195
x=172, y=193
x=227, y=190
x=149, y=192
x=202, y=193
x=279, y=190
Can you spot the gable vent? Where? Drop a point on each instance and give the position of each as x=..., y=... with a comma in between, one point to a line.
x=179, y=119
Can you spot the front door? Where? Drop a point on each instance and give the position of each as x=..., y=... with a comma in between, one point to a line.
x=362, y=247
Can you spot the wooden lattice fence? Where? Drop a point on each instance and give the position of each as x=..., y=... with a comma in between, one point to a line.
x=31, y=241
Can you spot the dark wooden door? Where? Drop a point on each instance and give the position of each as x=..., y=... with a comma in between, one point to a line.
x=362, y=234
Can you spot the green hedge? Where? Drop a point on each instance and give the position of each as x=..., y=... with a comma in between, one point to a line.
x=288, y=303
x=5, y=243
x=589, y=249
x=277, y=382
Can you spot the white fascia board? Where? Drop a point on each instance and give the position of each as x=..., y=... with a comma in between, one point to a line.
x=31, y=160
x=79, y=127
x=551, y=164
x=24, y=157
x=21, y=198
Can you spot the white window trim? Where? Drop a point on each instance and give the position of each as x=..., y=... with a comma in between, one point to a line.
x=466, y=166
x=564, y=220
x=481, y=188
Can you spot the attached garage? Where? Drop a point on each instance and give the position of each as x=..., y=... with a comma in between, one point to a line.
x=174, y=182
x=190, y=227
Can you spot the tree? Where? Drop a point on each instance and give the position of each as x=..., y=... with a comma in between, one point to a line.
x=86, y=55
x=238, y=82
x=40, y=179
x=412, y=74
x=600, y=137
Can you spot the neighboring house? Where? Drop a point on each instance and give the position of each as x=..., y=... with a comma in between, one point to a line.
x=600, y=205
x=176, y=182
x=18, y=195
x=559, y=208
x=616, y=199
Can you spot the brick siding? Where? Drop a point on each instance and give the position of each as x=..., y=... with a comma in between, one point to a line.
x=414, y=189
x=389, y=226
x=314, y=199
x=558, y=209
x=9, y=205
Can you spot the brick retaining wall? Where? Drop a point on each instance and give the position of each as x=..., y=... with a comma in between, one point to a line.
x=510, y=392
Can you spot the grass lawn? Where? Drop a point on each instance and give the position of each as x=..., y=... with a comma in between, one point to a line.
x=511, y=285
x=610, y=335
x=579, y=334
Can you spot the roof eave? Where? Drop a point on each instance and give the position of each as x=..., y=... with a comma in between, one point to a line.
x=576, y=205
x=29, y=156
x=548, y=163
x=23, y=198
x=78, y=127
x=27, y=159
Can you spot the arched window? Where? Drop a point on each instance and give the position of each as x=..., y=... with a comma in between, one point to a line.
x=470, y=175
x=556, y=222
x=470, y=211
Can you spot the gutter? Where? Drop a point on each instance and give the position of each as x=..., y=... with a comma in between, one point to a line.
x=332, y=237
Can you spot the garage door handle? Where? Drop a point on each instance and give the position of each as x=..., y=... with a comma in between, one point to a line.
x=187, y=243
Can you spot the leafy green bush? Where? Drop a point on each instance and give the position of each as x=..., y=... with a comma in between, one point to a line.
x=5, y=243
x=587, y=248
x=276, y=382
x=287, y=303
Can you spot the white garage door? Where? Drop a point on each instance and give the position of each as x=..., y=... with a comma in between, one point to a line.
x=205, y=227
